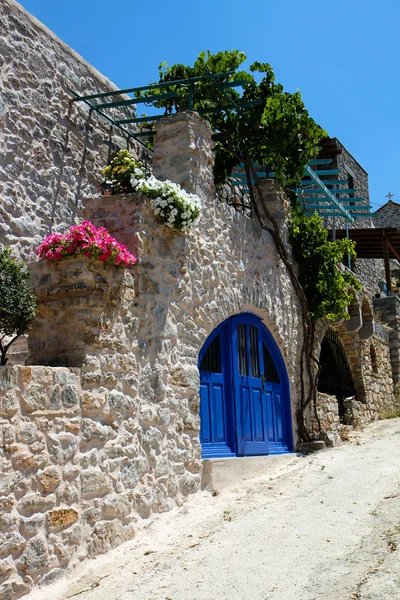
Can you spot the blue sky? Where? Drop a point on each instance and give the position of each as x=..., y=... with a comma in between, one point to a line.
x=344, y=57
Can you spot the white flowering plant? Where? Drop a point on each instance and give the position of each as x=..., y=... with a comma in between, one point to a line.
x=177, y=208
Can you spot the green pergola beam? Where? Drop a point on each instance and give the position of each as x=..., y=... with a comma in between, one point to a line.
x=333, y=191
x=325, y=199
x=149, y=99
x=325, y=172
x=321, y=161
x=141, y=119
x=329, y=207
x=329, y=195
x=153, y=86
x=332, y=214
x=328, y=181
x=107, y=118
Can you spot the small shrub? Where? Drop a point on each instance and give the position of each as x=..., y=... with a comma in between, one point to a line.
x=17, y=303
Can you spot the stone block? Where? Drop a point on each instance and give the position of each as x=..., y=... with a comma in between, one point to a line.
x=27, y=433
x=32, y=525
x=152, y=440
x=107, y=535
x=11, y=542
x=23, y=460
x=133, y=470
x=94, y=483
x=119, y=402
x=14, y=588
x=115, y=506
x=6, y=568
x=15, y=482
x=8, y=522
x=69, y=396
x=92, y=402
x=34, y=557
x=61, y=518
x=7, y=503
x=34, y=502
x=8, y=378
x=95, y=431
x=48, y=480
x=34, y=398
x=62, y=447
x=10, y=402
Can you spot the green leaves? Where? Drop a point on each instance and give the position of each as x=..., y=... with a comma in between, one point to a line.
x=17, y=303
x=327, y=287
x=277, y=131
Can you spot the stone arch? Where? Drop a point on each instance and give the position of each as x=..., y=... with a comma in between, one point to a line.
x=352, y=348
x=335, y=377
x=366, y=311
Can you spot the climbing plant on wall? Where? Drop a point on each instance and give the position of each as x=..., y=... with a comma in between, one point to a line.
x=326, y=286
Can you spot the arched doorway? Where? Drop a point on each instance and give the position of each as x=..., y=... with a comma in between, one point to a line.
x=335, y=376
x=244, y=391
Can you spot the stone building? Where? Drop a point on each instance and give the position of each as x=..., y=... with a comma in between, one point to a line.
x=137, y=375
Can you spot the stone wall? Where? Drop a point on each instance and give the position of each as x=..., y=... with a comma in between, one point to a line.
x=79, y=465
x=388, y=312
x=367, y=349
x=118, y=439
x=52, y=150
x=350, y=167
x=40, y=490
x=388, y=215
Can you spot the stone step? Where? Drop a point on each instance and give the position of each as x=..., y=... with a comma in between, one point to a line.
x=223, y=473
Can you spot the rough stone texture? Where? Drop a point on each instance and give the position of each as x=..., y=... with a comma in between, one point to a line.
x=88, y=451
x=179, y=136
x=388, y=310
x=388, y=215
x=78, y=291
x=368, y=352
x=30, y=482
x=52, y=150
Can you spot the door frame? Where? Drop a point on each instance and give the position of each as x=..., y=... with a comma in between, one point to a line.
x=226, y=330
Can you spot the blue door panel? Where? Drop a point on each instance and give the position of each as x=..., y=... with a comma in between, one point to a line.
x=258, y=417
x=270, y=415
x=218, y=413
x=278, y=417
x=245, y=413
x=205, y=420
x=245, y=405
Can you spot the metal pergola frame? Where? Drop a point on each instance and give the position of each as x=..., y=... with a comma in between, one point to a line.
x=314, y=194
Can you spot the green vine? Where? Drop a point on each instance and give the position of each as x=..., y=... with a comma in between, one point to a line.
x=326, y=287
x=274, y=127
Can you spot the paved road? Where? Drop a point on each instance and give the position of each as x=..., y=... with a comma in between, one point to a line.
x=318, y=528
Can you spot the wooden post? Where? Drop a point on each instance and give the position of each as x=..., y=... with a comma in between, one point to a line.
x=387, y=264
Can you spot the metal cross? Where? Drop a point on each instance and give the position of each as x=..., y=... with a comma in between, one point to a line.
x=390, y=196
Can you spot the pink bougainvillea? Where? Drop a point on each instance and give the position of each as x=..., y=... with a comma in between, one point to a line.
x=93, y=242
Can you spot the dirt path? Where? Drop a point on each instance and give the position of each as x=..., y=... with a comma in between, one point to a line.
x=318, y=528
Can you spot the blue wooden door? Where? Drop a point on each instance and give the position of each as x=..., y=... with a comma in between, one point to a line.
x=250, y=401
x=244, y=392
x=216, y=408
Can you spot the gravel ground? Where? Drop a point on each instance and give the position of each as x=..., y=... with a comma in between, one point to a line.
x=323, y=527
